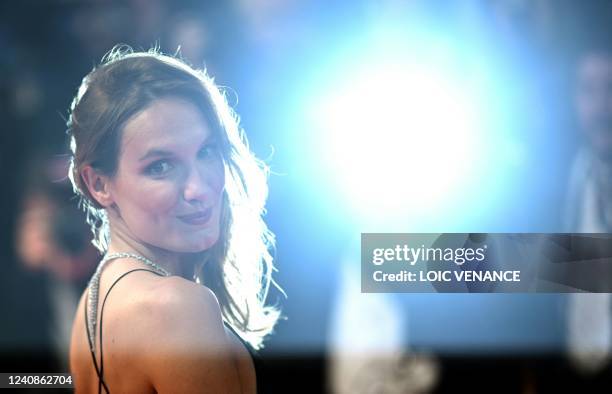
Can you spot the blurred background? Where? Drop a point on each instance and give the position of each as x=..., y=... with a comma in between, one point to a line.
x=375, y=116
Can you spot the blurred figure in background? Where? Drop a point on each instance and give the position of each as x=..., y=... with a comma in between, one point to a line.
x=589, y=205
x=52, y=239
x=589, y=201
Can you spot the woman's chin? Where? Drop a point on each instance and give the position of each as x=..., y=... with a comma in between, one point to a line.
x=188, y=242
x=200, y=246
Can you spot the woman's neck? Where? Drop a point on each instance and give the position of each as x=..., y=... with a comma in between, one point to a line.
x=170, y=261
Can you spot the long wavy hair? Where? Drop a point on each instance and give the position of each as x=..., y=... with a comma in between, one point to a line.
x=238, y=267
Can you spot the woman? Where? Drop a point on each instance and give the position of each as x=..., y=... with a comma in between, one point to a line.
x=174, y=198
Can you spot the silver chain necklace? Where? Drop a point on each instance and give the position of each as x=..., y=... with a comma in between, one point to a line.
x=94, y=285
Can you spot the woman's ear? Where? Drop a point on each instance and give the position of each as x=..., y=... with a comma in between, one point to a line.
x=98, y=186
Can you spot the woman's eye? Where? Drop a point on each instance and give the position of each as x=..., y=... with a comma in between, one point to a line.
x=159, y=168
x=208, y=151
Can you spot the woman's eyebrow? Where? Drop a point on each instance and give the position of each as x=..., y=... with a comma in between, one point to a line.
x=212, y=139
x=155, y=153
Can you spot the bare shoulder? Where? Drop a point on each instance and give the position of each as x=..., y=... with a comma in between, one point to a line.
x=174, y=309
x=185, y=347
x=175, y=295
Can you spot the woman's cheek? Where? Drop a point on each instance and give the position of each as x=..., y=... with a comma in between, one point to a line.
x=219, y=185
x=160, y=199
x=220, y=179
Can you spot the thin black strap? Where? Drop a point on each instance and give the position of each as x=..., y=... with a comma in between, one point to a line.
x=100, y=371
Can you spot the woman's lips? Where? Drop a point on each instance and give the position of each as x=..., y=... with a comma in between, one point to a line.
x=197, y=218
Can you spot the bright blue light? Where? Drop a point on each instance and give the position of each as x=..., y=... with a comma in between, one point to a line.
x=401, y=138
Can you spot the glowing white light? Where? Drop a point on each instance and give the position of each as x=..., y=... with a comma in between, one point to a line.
x=399, y=139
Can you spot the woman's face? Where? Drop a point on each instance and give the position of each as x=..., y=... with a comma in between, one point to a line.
x=170, y=179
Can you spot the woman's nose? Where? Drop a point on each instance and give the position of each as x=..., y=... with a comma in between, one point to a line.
x=196, y=186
